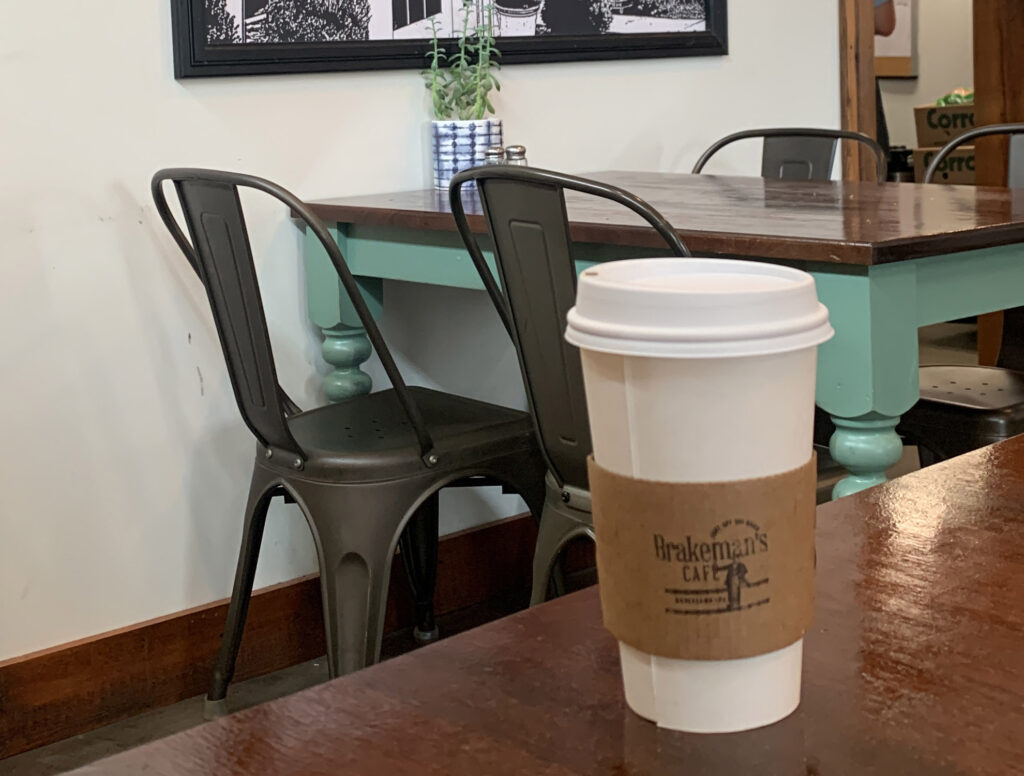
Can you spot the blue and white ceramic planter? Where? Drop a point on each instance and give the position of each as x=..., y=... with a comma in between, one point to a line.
x=459, y=145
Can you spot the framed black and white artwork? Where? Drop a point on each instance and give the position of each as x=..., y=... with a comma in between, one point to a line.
x=248, y=37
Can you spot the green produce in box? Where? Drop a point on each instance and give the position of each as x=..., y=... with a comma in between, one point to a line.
x=956, y=97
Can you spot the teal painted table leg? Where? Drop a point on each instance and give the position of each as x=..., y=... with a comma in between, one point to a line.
x=345, y=344
x=867, y=374
x=345, y=348
x=866, y=447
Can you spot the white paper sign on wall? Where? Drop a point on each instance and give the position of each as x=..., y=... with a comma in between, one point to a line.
x=895, y=55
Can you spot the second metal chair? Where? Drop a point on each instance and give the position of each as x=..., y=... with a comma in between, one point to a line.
x=525, y=214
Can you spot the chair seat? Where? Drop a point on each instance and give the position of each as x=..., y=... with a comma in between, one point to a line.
x=963, y=408
x=367, y=438
x=972, y=387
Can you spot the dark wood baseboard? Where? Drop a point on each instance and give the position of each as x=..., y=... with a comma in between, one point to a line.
x=65, y=690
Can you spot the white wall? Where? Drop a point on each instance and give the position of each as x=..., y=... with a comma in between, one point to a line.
x=945, y=61
x=125, y=464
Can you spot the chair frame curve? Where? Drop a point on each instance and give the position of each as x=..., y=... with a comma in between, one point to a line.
x=966, y=137
x=833, y=134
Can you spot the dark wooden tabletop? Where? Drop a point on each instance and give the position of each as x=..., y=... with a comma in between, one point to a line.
x=913, y=666
x=829, y=222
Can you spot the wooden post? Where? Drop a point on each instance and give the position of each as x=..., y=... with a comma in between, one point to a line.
x=998, y=98
x=857, y=84
x=998, y=80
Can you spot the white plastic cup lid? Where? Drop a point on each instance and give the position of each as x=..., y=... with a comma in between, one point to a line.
x=696, y=308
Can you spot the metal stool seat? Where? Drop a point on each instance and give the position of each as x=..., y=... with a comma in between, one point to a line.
x=963, y=408
x=367, y=437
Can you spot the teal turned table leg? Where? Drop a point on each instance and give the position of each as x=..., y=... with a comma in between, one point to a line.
x=867, y=374
x=345, y=348
x=866, y=447
x=345, y=344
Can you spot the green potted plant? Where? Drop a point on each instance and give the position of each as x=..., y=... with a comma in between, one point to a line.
x=460, y=85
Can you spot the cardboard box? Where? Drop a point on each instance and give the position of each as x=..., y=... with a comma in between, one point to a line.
x=957, y=168
x=937, y=125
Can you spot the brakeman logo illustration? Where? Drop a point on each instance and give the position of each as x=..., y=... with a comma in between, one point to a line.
x=726, y=572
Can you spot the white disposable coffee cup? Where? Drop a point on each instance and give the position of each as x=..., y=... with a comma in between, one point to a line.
x=701, y=370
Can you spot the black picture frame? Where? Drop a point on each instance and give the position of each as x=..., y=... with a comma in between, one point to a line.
x=194, y=57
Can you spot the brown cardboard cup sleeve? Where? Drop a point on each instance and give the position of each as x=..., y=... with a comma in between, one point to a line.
x=706, y=571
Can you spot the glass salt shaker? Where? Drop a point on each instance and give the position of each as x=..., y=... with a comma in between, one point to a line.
x=515, y=154
x=494, y=155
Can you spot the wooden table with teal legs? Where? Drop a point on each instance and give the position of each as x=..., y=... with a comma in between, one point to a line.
x=887, y=259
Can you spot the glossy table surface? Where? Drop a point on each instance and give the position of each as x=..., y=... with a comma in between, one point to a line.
x=913, y=666
x=828, y=222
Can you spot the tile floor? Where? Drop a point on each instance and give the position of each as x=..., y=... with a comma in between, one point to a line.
x=944, y=343
x=96, y=744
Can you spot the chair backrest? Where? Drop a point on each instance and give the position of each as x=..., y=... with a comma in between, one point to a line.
x=798, y=153
x=220, y=253
x=525, y=213
x=1015, y=163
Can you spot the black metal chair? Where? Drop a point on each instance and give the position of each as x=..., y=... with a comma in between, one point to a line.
x=524, y=212
x=1015, y=159
x=797, y=153
x=963, y=408
x=365, y=472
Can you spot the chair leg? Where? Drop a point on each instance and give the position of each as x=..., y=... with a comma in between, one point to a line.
x=530, y=484
x=419, y=543
x=555, y=530
x=353, y=582
x=928, y=457
x=245, y=572
x=556, y=581
x=356, y=530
